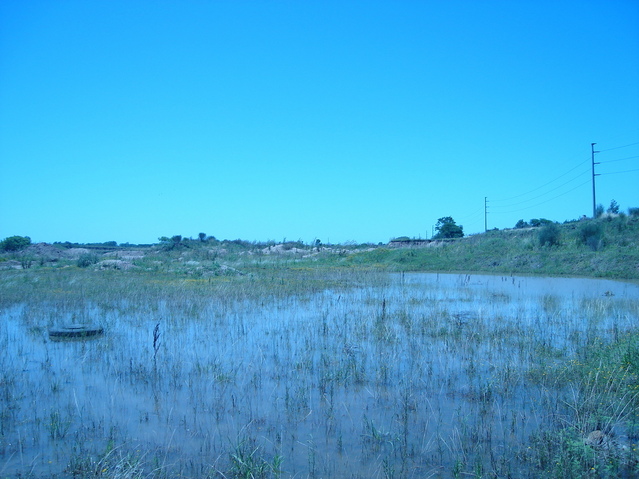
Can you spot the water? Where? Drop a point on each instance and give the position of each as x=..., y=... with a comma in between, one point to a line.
x=417, y=377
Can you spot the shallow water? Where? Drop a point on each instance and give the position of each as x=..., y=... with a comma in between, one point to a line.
x=423, y=374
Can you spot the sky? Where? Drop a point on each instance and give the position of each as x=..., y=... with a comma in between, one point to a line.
x=343, y=121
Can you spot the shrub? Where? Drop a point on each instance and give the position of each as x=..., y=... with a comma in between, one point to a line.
x=633, y=212
x=26, y=262
x=15, y=243
x=86, y=260
x=590, y=234
x=549, y=235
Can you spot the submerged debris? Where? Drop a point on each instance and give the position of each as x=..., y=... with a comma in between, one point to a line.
x=75, y=331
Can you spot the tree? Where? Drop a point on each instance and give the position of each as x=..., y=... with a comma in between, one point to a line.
x=521, y=224
x=15, y=243
x=613, y=208
x=202, y=237
x=447, y=228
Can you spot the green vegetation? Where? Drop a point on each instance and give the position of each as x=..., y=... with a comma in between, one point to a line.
x=550, y=235
x=604, y=384
x=308, y=360
x=447, y=228
x=14, y=243
x=298, y=371
x=605, y=247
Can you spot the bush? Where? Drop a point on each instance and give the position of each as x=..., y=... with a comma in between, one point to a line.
x=549, y=235
x=15, y=243
x=87, y=260
x=591, y=234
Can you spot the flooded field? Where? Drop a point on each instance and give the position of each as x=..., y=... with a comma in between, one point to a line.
x=412, y=375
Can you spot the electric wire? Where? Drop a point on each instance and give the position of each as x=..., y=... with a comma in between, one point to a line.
x=544, y=194
x=542, y=186
x=617, y=172
x=475, y=213
x=619, y=159
x=546, y=201
x=618, y=147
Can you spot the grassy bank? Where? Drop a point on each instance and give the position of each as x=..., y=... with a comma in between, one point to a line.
x=605, y=248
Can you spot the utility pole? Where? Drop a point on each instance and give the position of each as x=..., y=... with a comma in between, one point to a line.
x=485, y=214
x=594, y=202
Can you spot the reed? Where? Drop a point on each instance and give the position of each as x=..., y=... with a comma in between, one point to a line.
x=300, y=372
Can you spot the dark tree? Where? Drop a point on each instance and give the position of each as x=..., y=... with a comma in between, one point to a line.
x=15, y=243
x=447, y=228
x=613, y=208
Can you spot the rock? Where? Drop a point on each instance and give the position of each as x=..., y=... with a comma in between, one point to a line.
x=596, y=438
x=114, y=264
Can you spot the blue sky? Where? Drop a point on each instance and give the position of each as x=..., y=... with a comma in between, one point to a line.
x=338, y=120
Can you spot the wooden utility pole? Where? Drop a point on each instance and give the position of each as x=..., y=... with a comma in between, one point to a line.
x=485, y=214
x=594, y=201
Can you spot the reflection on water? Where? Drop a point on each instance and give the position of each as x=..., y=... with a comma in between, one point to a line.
x=424, y=374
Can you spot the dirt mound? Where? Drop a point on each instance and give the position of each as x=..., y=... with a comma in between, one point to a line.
x=125, y=254
x=45, y=250
x=75, y=253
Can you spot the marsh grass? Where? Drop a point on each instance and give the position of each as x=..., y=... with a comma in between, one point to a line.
x=302, y=372
x=596, y=433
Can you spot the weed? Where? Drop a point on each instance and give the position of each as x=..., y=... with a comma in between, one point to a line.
x=247, y=462
x=57, y=426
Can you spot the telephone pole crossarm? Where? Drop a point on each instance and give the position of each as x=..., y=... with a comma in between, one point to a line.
x=594, y=201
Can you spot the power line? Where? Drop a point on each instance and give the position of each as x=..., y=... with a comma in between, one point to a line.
x=618, y=147
x=542, y=186
x=471, y=215
x=620, y=159
x=547, y=201
x=618, y=172
x=547, y=192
